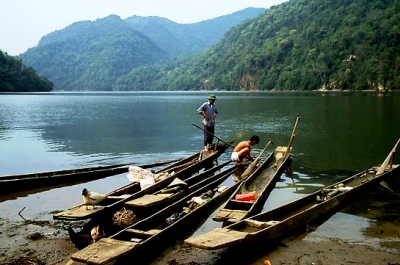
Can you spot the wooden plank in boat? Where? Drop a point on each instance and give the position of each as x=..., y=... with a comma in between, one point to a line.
x=259, y=224
x=141, y=233
x=146, y=200
x=120, y=197
x=81, y=211
x=232, y=215
x=94, y=252
x=218, y=237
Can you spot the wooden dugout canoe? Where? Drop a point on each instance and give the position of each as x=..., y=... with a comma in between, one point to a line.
x=154, y=202
x=261, y=182
x=280, y=222
x=17, y=183
x=117, y=198
x=154, y=233
x=170, y=194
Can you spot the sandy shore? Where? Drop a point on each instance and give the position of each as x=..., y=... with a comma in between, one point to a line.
x=366, y=232
x=46, y=243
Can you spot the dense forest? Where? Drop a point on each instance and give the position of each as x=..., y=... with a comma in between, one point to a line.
x=16, y=77
x=297, y=45
x=93, y=55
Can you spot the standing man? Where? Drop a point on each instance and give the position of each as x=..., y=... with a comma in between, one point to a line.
x=209, y=112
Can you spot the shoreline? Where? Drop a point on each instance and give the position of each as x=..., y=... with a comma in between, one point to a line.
x=29, y=242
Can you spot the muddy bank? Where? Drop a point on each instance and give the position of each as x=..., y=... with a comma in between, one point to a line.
x=366, y=232
x=48, y=243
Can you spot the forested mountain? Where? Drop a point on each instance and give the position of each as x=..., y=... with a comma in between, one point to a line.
x=301, y=44
x=16, y=77
x=93, y=55
x=182, y=39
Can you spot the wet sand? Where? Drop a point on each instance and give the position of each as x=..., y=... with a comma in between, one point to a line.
x=45, y=243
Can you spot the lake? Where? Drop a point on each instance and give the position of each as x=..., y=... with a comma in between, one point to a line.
x=338, y=134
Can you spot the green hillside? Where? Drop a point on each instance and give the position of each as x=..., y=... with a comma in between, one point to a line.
x=93, y=55
x=302, y=44
x=16, y=77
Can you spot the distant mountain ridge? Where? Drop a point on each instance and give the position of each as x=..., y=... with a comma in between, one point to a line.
x=92, y=55
x=296, y=45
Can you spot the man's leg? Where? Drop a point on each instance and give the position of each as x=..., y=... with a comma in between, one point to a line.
x=208, y=136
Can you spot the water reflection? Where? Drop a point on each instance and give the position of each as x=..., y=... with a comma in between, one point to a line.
x=351, y=229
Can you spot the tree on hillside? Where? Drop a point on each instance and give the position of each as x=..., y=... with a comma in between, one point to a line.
x=16, y=77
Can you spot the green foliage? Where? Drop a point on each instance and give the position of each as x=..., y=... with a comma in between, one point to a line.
x=94, y=55
x=91, y=56
x=16, y=77
x=302, y=44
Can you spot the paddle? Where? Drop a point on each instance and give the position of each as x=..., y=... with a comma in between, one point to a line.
x=249, y=170
x=213, y=135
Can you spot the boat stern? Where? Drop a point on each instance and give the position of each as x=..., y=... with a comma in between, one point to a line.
x=216, y=239
x=104, y=251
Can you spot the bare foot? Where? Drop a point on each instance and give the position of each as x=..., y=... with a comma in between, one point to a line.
x=240, y=164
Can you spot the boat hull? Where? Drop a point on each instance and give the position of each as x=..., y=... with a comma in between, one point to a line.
x=117, y=198
x=150, y=235
x=25, y=182
x=280, y=222
x=262, y=182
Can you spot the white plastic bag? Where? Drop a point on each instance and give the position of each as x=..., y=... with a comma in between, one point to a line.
x=146, y=182
x=137, y=173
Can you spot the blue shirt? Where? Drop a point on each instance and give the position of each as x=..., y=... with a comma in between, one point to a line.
x=209, y=110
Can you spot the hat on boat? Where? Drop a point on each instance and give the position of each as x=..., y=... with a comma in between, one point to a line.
x=177, y=182
x=212, y=96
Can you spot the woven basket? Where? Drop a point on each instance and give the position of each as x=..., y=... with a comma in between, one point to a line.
x=124, y=218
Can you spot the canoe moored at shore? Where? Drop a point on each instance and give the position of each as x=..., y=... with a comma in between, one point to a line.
x=280, y=222
x=117, y=198
x=135, y=210
x=22, y=182
x=257, y=189
x=161, y=229
x=174, y=191
x=250, y=196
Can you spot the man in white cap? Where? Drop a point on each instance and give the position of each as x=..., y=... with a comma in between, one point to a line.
x=209, y=112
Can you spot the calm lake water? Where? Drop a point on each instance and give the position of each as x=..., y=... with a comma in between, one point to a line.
x=338, y=134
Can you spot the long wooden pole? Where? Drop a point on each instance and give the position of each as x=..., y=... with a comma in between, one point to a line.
x=249, y=170
x=213, y=135
x=292, y=137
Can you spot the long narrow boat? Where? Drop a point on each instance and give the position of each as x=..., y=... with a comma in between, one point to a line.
x=148, y=204
x=157, y=231
x=173, y=191
x=281, y=221
x=17, y=183
x=117, y=198
x=258, y=187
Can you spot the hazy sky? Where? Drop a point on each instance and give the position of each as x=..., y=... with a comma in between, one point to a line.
x=24, y=22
